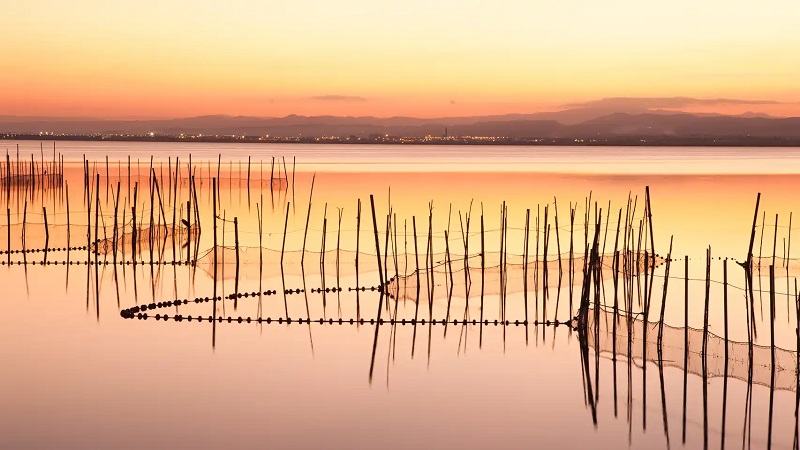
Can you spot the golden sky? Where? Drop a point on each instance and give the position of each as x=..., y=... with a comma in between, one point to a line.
x=164, y=58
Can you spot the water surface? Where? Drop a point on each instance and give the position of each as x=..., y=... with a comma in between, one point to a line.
x=77, y=374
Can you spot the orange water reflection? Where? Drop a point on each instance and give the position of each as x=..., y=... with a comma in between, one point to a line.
x=77, y=374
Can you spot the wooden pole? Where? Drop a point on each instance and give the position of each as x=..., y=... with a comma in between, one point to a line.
x=88, y=196
x=558, y=240
x=214, y=207
x=338, y=247
x=753, y=234
x=8, y=229
x=107, y=178
x=358, y=238
x=685, y=339
x=46, y=232
x=96, y=216
x=272, y=176
x=135, y=234
x=786, y=260
x=797, y=369
x=664, y=297
x=260, y=250
x=115, y=236
x=169, y=174
x=650, y=221
x=175, y=208
x=502, y=250
x=525, y=261
x=294, y=164
x=377, y=248
x=323, y=246
x=416, y=259
x=725, y=379
x=161, y=203
x=386, y=247
x=546, y=243
x=150, y=237
x=285, y=227
x=450, y=266
x=188, y=230
x=571, y=254
x=705, y=309
x=536, y=265
x=483, y=263
x=68, y=224
x=429, y=260
x=308, y=216
x=236, y=249
x=772, y=350
x=285, y=173
x=196, y=208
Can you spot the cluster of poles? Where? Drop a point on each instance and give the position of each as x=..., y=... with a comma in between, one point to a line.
x=144, y=229
x=166, y=214
x=590, y=330
x=26, y=176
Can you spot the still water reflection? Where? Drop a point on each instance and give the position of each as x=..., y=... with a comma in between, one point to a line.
x=499, y=256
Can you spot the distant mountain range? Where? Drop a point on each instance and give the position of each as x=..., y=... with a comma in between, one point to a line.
x=580, y=122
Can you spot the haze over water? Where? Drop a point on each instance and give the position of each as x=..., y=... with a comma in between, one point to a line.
x=454, y=158
x=77, y=374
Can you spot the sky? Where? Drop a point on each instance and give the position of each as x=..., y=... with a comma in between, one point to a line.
x=176, y=58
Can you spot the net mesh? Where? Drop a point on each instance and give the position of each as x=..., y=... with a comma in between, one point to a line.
x=610, y=339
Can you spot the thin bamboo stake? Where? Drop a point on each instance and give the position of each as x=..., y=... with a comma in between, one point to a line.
x=664, y=297
x=685, y=340
x=248, y=179
x=96, y=217
x=525, y=261
x=272, y=176
x=283, y=249
x=46, y=233
x=188, y=230
x=558, y=240
x=705, y=309
x=377, y=250
x=650, y=221
x=725, y=379
x=772, y=350
x=358, y=239
x=308, y=216
x=483, y=270
x=236, y=249
x=8, y=229
x=294, y=163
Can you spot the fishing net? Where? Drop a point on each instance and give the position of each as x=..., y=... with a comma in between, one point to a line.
x=611, y=334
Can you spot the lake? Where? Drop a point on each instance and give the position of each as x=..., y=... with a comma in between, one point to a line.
x=475, y=262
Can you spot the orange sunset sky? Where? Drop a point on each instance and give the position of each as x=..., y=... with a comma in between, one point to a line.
x=170, y=58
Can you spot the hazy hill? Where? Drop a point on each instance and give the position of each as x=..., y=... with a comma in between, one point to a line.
x=688, y=125
x=576, y=122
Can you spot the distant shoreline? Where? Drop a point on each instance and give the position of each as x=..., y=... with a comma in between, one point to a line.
x=613, y=141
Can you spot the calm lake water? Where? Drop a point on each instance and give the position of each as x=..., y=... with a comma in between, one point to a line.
x=79, y=372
